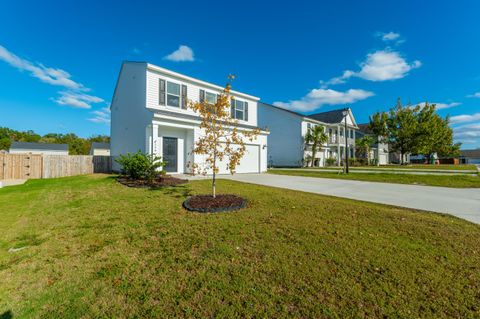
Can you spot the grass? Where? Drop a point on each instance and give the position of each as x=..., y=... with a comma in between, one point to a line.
x=456, y=181
x=422, y=167
x=415, y=167
x=99, y=249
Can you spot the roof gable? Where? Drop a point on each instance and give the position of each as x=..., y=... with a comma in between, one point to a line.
x=333, y=116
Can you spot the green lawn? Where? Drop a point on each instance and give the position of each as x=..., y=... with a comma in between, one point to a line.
x=466, y=167
x=415, y=168
x=99, y=249
x=457, y=181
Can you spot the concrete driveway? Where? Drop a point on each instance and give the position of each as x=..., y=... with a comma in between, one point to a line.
x=460, y=202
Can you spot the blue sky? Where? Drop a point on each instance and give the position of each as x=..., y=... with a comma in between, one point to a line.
x=59, y=60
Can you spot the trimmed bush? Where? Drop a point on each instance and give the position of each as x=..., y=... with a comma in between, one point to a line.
x=141, y=166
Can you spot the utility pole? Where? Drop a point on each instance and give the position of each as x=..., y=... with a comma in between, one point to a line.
x=345, y=114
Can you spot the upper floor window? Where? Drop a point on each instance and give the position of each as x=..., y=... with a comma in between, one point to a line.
x=239, y=110
x=309, y=126
x=172, y=94
x=341, y=132
x=351, y=133
x=210, y=97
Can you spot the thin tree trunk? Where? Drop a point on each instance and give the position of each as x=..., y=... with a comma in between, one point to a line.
x=214, y=179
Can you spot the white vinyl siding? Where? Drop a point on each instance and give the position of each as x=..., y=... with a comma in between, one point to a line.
x=193, y=94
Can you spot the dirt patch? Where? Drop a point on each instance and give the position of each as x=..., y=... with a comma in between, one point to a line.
x=221, y=203
x=160, y=181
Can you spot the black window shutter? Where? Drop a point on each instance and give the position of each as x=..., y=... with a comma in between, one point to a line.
x=245, y=113
x=161, y=85
x=232, y=108
x=202, y=96
x=184, y=96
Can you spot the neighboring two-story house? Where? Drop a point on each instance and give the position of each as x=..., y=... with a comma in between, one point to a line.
x=149, y=112
x=286, y=142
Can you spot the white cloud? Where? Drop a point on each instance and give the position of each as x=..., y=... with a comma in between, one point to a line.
x=78, y=100
x=45, y=74
x=74, y=96
x=101, y=116
x=318, y=97
x=390, y=36
x=183, y=53
x=441, y=106
x=384, y=65
x=465, y=118
x=477, y=94
x=381, y=65
x=467, y=134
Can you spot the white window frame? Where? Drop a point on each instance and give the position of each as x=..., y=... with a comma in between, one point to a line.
x=179, y=96
x=236, y=108
x=214, y=97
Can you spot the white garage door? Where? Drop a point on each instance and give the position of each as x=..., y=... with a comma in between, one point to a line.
x=250, y=163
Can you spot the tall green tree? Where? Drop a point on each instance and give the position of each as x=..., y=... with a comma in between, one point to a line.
x=316, y=136
x=416, y=130
x=398, y=128
x=435, y=134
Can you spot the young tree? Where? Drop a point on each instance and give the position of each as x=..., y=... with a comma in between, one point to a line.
x=363, y=146
x=221, y=137
x=315, y=136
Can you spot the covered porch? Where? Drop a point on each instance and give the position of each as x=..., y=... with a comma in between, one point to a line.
x=174, y=143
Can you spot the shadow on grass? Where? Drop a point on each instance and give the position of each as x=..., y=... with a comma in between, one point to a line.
x=179, y=191
x=7, y=315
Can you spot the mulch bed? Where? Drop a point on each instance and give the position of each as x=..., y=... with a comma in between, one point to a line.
x=208, y=204
x=160, y=181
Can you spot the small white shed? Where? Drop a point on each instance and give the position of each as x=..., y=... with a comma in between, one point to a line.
x=38, y=148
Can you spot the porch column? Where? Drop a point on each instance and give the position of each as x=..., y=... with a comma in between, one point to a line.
x=338, y=155
x=155, y=149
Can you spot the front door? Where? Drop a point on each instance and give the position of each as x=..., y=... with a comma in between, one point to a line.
x=170, y=154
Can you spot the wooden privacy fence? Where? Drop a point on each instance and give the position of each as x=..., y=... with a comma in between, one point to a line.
x=26, y=166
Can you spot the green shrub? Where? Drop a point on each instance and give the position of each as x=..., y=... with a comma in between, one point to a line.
x=330, y=161
x=141, y=166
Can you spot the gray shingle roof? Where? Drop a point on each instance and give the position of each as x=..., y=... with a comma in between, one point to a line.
x=470, y=153
x=97, y=145
x=39, y=146
x=332, y=117
x=365, y=128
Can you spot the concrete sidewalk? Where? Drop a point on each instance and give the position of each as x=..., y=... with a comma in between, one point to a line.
x=459, y=202
x=11, y=182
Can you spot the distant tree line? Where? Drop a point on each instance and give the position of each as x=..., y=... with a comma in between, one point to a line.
x=415, y=130
x=76, y=145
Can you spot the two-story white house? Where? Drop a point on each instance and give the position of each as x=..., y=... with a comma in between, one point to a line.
x=286, y=142
x=149, y=112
